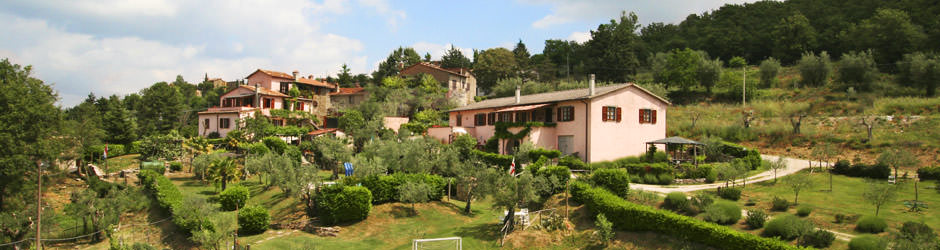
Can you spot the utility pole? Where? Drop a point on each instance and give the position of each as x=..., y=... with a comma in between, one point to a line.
x=38, y=203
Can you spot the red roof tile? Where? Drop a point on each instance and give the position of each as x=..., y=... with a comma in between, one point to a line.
x=348, y=91
x=314, y=82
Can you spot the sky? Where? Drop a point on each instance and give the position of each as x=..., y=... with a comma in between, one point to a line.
x=119, y=47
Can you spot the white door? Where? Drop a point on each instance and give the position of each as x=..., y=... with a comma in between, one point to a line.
x=565, y=144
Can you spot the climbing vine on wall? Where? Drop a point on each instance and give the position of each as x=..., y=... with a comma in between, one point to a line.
x=502, y=129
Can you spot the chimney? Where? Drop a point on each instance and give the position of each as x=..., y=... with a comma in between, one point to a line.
x=296, y=75
x=518, y=94
x=257, y=96
x=592, y=85
x=310, y=77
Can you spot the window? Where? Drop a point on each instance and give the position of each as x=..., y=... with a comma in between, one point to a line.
x=285, y=87
x=610, y=114
x=278, y=123
x=505, y=117
x=490, y=118
x=479, y=119
x=205, y=124
x=459, y=120
x=647, y=116
x=566, y=113
x=548, y=115
x=268, y=103
x=224, y=123
x=300, y=105
x=522, y=116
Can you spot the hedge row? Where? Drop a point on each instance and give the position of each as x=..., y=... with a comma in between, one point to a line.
x=384, y=188
x=493, y=159
x=633, y=217
x=98, y=150
x=535, y=154
x=340, y=203
x=877, y=171
x=930, y=173
x=170, y=198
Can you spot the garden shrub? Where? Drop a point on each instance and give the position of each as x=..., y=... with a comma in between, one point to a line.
x=913, y=234
x=633, y=217
x=867, y=242
x=649, y=168
x=170, y=198
x=573, y=162
x=779, y=204
x=233, y=197
x=804, y=211
x=133, y=147
x=176, y=166
x=730, y=193
x=929, y=173
x=538, y=164
x=214, y=135
x=877, y=171
x=787, y=227
x=339, y=203
x=676, y=201
x=384, y=188
x=649, y=179
x=437, y=183
x=723, y=212
x=614, y=180
x=258, y=148
x=253, y=219
x=818, y=239
x=275, y=144
x=539, y=152
x=560, y=173
x=756, y=218
x=493, y=159
x=665, y=179
x=699, y=202
x=871, y=224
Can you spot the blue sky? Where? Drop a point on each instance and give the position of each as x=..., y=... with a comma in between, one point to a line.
x=119, y=46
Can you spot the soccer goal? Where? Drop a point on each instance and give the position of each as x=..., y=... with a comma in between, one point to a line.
x=438, y=243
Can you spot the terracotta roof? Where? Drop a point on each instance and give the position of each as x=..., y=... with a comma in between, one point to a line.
x=433, y=66
x=557, y=96
x=273, y=74
x=348, y=91
x=262, y=90
x=314, y=82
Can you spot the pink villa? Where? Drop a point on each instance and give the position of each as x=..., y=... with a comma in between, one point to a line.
x=596, y=124
x=266, y=90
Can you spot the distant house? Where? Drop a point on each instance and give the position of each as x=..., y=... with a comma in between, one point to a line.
x=460, y=82
x=216, y=82
x=264, y=91
x=348, y=97
x=596, y=124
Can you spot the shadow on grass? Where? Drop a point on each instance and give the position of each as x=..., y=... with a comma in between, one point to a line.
x=172, y=236
x=483, y=232
x=402, y=211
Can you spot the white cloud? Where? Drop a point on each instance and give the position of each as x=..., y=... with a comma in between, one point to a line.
x=228, y=41
x=579, y=37
x=568, y=11
x=382, y=7
x=438, y=50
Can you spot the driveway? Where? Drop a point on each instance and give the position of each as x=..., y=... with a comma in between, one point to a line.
x=793, y=166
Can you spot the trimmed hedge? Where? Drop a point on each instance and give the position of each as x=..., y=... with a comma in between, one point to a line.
x=877, y=171
x=929, y=173
x=339, y=203
x=730, y=193
x=275, y=144
x=573, y=162
x=787, y=227
x=97, y=151
x=634, y=217
x=779, y=204
x=176, y=166
x=723, y=212
x=384, y=188
x=818, y=239
x=871, y=224
x=804, y=211
x=677, y=202
x=617, y=181
x=756, y=218
x=561, y=173
x=868, y=242
x=170, y=198
x=233, y=197
x=539, y=152
x=493, y=159
x=253, y=219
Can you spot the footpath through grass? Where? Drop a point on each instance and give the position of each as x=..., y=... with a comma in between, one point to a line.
x=845, y=198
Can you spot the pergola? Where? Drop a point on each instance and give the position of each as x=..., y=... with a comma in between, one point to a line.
x=676, y=144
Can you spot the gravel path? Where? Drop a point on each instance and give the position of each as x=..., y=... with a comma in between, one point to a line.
x=793, y=166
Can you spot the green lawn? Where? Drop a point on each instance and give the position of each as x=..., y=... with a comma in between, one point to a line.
x=846, y=198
